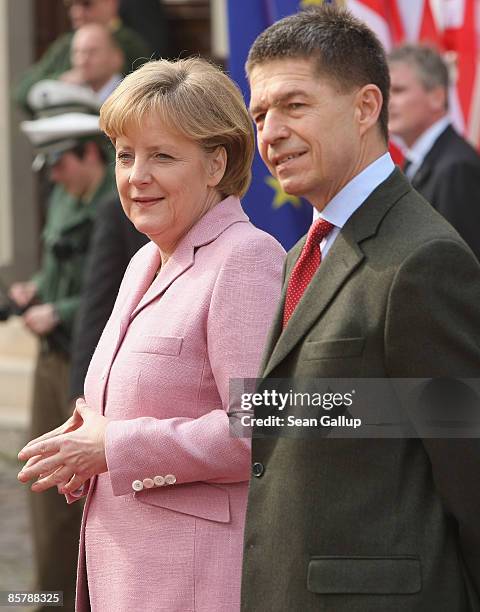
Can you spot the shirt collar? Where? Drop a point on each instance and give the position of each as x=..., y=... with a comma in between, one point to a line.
x=418, y=151
x=345, y=203
x=103, y=93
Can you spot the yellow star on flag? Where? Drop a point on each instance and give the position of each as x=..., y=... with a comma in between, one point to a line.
x=281, y=198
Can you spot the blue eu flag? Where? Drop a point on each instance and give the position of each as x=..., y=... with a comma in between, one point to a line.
x=269, y=208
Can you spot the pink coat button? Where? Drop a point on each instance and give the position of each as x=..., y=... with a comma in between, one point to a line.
x=170, y=479
x=159, y=481
x=137, y=485
x=148, y=483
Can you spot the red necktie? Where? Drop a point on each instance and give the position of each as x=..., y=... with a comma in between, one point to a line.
x=306, y=266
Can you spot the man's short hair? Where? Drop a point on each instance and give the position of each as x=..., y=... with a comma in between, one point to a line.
x=344, y=49
x=429, y=64
x=100, y=27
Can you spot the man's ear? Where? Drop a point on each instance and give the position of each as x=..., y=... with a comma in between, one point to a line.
x=438, y=98
x=216, y=165
x=368, y=105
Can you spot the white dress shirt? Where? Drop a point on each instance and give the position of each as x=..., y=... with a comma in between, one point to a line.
x=421, y=147
x=352, y=196
x=103, y=93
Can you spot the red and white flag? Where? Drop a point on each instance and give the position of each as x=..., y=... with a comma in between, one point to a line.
x=453, y=27
x=383, y=17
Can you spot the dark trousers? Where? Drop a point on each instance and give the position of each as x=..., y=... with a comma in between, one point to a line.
x=56, y=525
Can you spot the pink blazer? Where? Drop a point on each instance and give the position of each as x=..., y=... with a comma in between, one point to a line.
x=161, y=371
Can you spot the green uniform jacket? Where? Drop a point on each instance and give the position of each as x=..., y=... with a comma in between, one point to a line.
x=372, y=525
x=66, y=239
x=56, y=60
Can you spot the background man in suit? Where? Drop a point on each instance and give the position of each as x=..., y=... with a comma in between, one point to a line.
x=441, y=164
x=97, y=60
x=96, y=63
x=56, y=60
x=371, y=525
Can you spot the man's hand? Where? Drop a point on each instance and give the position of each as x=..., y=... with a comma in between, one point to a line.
x=22, y=293
x=72, y=453
x=41, y=319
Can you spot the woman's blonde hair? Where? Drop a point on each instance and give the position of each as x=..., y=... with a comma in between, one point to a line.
x=195, y=99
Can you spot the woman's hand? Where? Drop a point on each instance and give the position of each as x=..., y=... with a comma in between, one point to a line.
x=71, y=454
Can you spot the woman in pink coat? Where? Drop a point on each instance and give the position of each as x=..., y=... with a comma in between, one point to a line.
x=166, y=482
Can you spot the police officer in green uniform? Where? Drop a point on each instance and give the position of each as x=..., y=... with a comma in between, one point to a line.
x=81, y=170
x=56, y=62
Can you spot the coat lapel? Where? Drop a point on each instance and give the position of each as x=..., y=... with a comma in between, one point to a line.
x=277, y=323
x=422, y=175
x=146, y=266
x=273, y=335
x=180, y=261
x=344, y=257
x=430, y=162
x=207, y=229
x=145, y=287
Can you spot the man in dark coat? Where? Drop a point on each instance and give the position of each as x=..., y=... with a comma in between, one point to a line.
x=440, y=164
x=338, y=522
